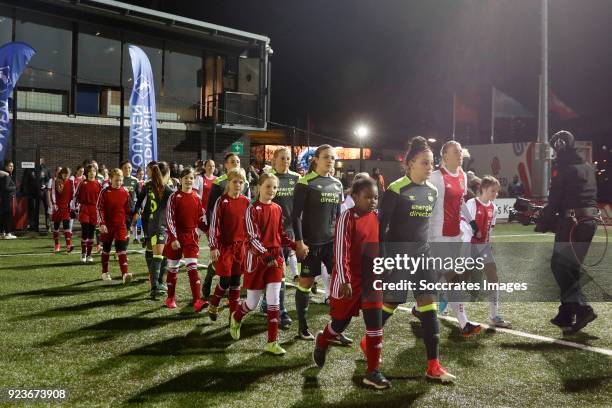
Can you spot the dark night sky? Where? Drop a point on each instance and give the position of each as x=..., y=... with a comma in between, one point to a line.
x=396, y=63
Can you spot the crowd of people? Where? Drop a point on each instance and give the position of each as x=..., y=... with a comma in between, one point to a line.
x=256, y=223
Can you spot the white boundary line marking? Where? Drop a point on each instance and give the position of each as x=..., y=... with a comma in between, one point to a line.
x=531, y=336
x=521, y=334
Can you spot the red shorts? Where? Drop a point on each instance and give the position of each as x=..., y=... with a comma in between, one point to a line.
x=189, y=246
x=258, y=274
x=231, y=260
x=115, y=232
x=88, y=214
x=344, y=308
x=61, y=214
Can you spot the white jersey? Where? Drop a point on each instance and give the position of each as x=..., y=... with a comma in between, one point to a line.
x=347, y=204
x=445, y=218
x=198, y=185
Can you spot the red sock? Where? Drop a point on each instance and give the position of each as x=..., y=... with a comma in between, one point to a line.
x=328, y=334
x=373, y=348
x=216, y=297
x=171, y=282
x=123, y=262
x=194, y=281
x=56, y=237
x=68, y=236
x=242, y=311
x=233, y=297
x=105, y=255
x=273, y=313
x=433, y=363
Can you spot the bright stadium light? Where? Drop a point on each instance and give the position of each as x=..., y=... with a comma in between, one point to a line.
x=361, y=131
x=431, y=140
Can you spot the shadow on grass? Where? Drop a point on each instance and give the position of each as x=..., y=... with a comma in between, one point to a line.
x=82, y=307
x=50, y=265
x=217, y=378
x=78, y=288
x=579, y=371
x=113, y=328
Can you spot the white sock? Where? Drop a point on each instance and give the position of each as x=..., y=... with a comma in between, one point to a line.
x=325, y=279
x=459, y=309
x=493, y=303
x=293, y=264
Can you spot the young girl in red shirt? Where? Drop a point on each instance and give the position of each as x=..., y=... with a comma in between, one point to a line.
x=184, y=215
x=264, y=263
x=227, y=238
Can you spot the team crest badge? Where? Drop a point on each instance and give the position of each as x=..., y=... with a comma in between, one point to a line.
x=430, y=198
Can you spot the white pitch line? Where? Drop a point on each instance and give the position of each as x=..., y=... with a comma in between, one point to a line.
x=518, y=333
x=531, y=336
x=130, y=251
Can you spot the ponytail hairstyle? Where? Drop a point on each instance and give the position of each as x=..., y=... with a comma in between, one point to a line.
x=445, y=147
x=237, y=172
x=358, y=176
x=361, y=184
x=262, y=179
x=160, y=173
x=312, y=166
x=417, y=145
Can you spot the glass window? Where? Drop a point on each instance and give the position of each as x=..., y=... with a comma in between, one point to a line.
x=49, y=68
x=6, y=26
x=99, y=56
x=182, y=92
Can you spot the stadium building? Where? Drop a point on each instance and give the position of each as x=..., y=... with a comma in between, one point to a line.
x=71, y=103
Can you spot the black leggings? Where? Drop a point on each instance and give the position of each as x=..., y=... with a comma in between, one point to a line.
x=65, y=225
x=229, y=281
x=371, y=317
x=119, y=246
x=88, y=230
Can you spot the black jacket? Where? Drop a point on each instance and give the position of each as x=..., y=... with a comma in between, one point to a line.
x=572, y=185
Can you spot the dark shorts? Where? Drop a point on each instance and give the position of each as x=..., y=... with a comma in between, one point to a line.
x=317, y=254
x=402, y=277
x=158, y=237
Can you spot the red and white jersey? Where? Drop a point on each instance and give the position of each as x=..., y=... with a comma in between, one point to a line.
x=353, y=231
x=184, y=214
x=64, y=197
x=87, y=193
x=227, y=223
x=207, y=184
x=446, y=216
x=484, y=215
x=114, y=206
x=264, y=224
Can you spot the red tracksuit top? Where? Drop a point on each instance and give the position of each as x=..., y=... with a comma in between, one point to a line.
x=87, y=192
x=227, y=224
x=63, y=199
x=264, y=224
x=353, y=230
x=114, y=206
x=184, y=214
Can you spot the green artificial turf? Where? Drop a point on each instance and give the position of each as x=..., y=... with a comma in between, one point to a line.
x=108, y=345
